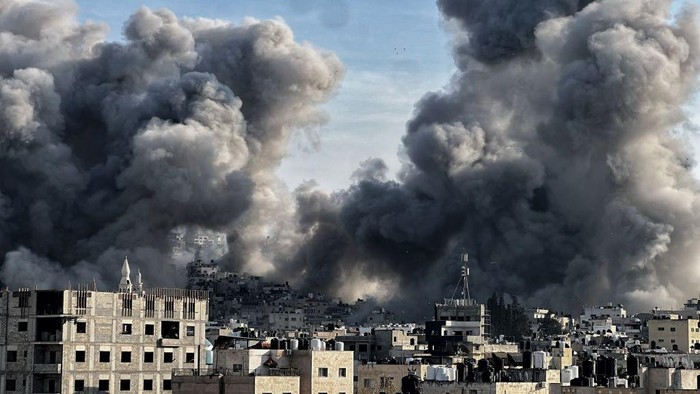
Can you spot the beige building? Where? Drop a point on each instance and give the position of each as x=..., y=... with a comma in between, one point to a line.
x=274, y=371
x=66, y=341
x=220, y=384
x=375, y=378
x=674, y=334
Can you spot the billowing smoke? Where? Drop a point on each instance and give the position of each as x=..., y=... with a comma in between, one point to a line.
x=551, y=159
x=105, y=147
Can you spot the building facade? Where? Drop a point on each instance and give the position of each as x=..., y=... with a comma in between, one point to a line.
x=674, y=334
x=66, y=341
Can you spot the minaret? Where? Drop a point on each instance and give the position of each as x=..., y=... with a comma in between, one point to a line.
x=125, y=282
x=139, y=282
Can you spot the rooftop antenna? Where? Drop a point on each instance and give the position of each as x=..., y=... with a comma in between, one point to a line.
x=465, y=276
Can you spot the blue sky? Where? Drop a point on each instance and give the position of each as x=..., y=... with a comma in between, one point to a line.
x=394, y=52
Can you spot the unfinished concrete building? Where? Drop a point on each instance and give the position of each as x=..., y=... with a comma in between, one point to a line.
x=65, y=341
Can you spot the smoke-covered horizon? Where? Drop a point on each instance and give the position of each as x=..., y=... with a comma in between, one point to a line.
x=550, y=157
x=108, y=146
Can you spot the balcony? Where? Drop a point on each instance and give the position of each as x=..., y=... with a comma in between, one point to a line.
x=47, y=368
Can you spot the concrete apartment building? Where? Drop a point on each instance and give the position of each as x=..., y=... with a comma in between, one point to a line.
x=273, y=371
x=66, y=341
x=674, y=334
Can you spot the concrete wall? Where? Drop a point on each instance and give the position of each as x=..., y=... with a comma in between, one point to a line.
x=433, y=387
x=384, y=377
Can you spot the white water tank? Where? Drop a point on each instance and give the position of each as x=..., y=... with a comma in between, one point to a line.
x=538, y=359
x=315, y=344
x=574, y=371
x=566, y=376
x=294, y=344
x=408, y=360
x=441, y=374
x=452, y=373
x=339, y=346
x=430, y=373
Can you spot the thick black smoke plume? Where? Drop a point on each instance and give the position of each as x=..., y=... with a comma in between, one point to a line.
x=550, y=158
x=106, y=147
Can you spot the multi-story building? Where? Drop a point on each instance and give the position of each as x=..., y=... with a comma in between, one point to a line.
x=66, y=341
x=457, y=323
x=674, y=334
x=260, y=369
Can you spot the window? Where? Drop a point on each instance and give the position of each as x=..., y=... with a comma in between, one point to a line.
x=237, y=367
x=148, y=385
x=81, y=327
x=126, y=357
x=386, y=381
x=168, y=357
x=11, y=356
x=170, y=329
x=342, y=372
x=149, y=329
x=362, y=347
x=125, y=385
x=368, y=383
x=190, y=331
x=189, y=358
x=80, y=356
x=126, y=328
x=22, y=326
x=10, y=385
x=79, y=385
x=167, y=384
x=673, y=341
x=660, y=328
x=104, y=357
x=323, y=372
x=148, y=357
x=673, y=329
x=103, y=385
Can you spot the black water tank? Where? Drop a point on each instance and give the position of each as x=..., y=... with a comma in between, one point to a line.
x=527, y=359
x=497, y=364
x=587, y=368
x=283, y=344
x=600, y=365
x=461, y=372
x=471, y=372
x=610, y=367
x=632, y=365
x=410, y=385
x=275, y=343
